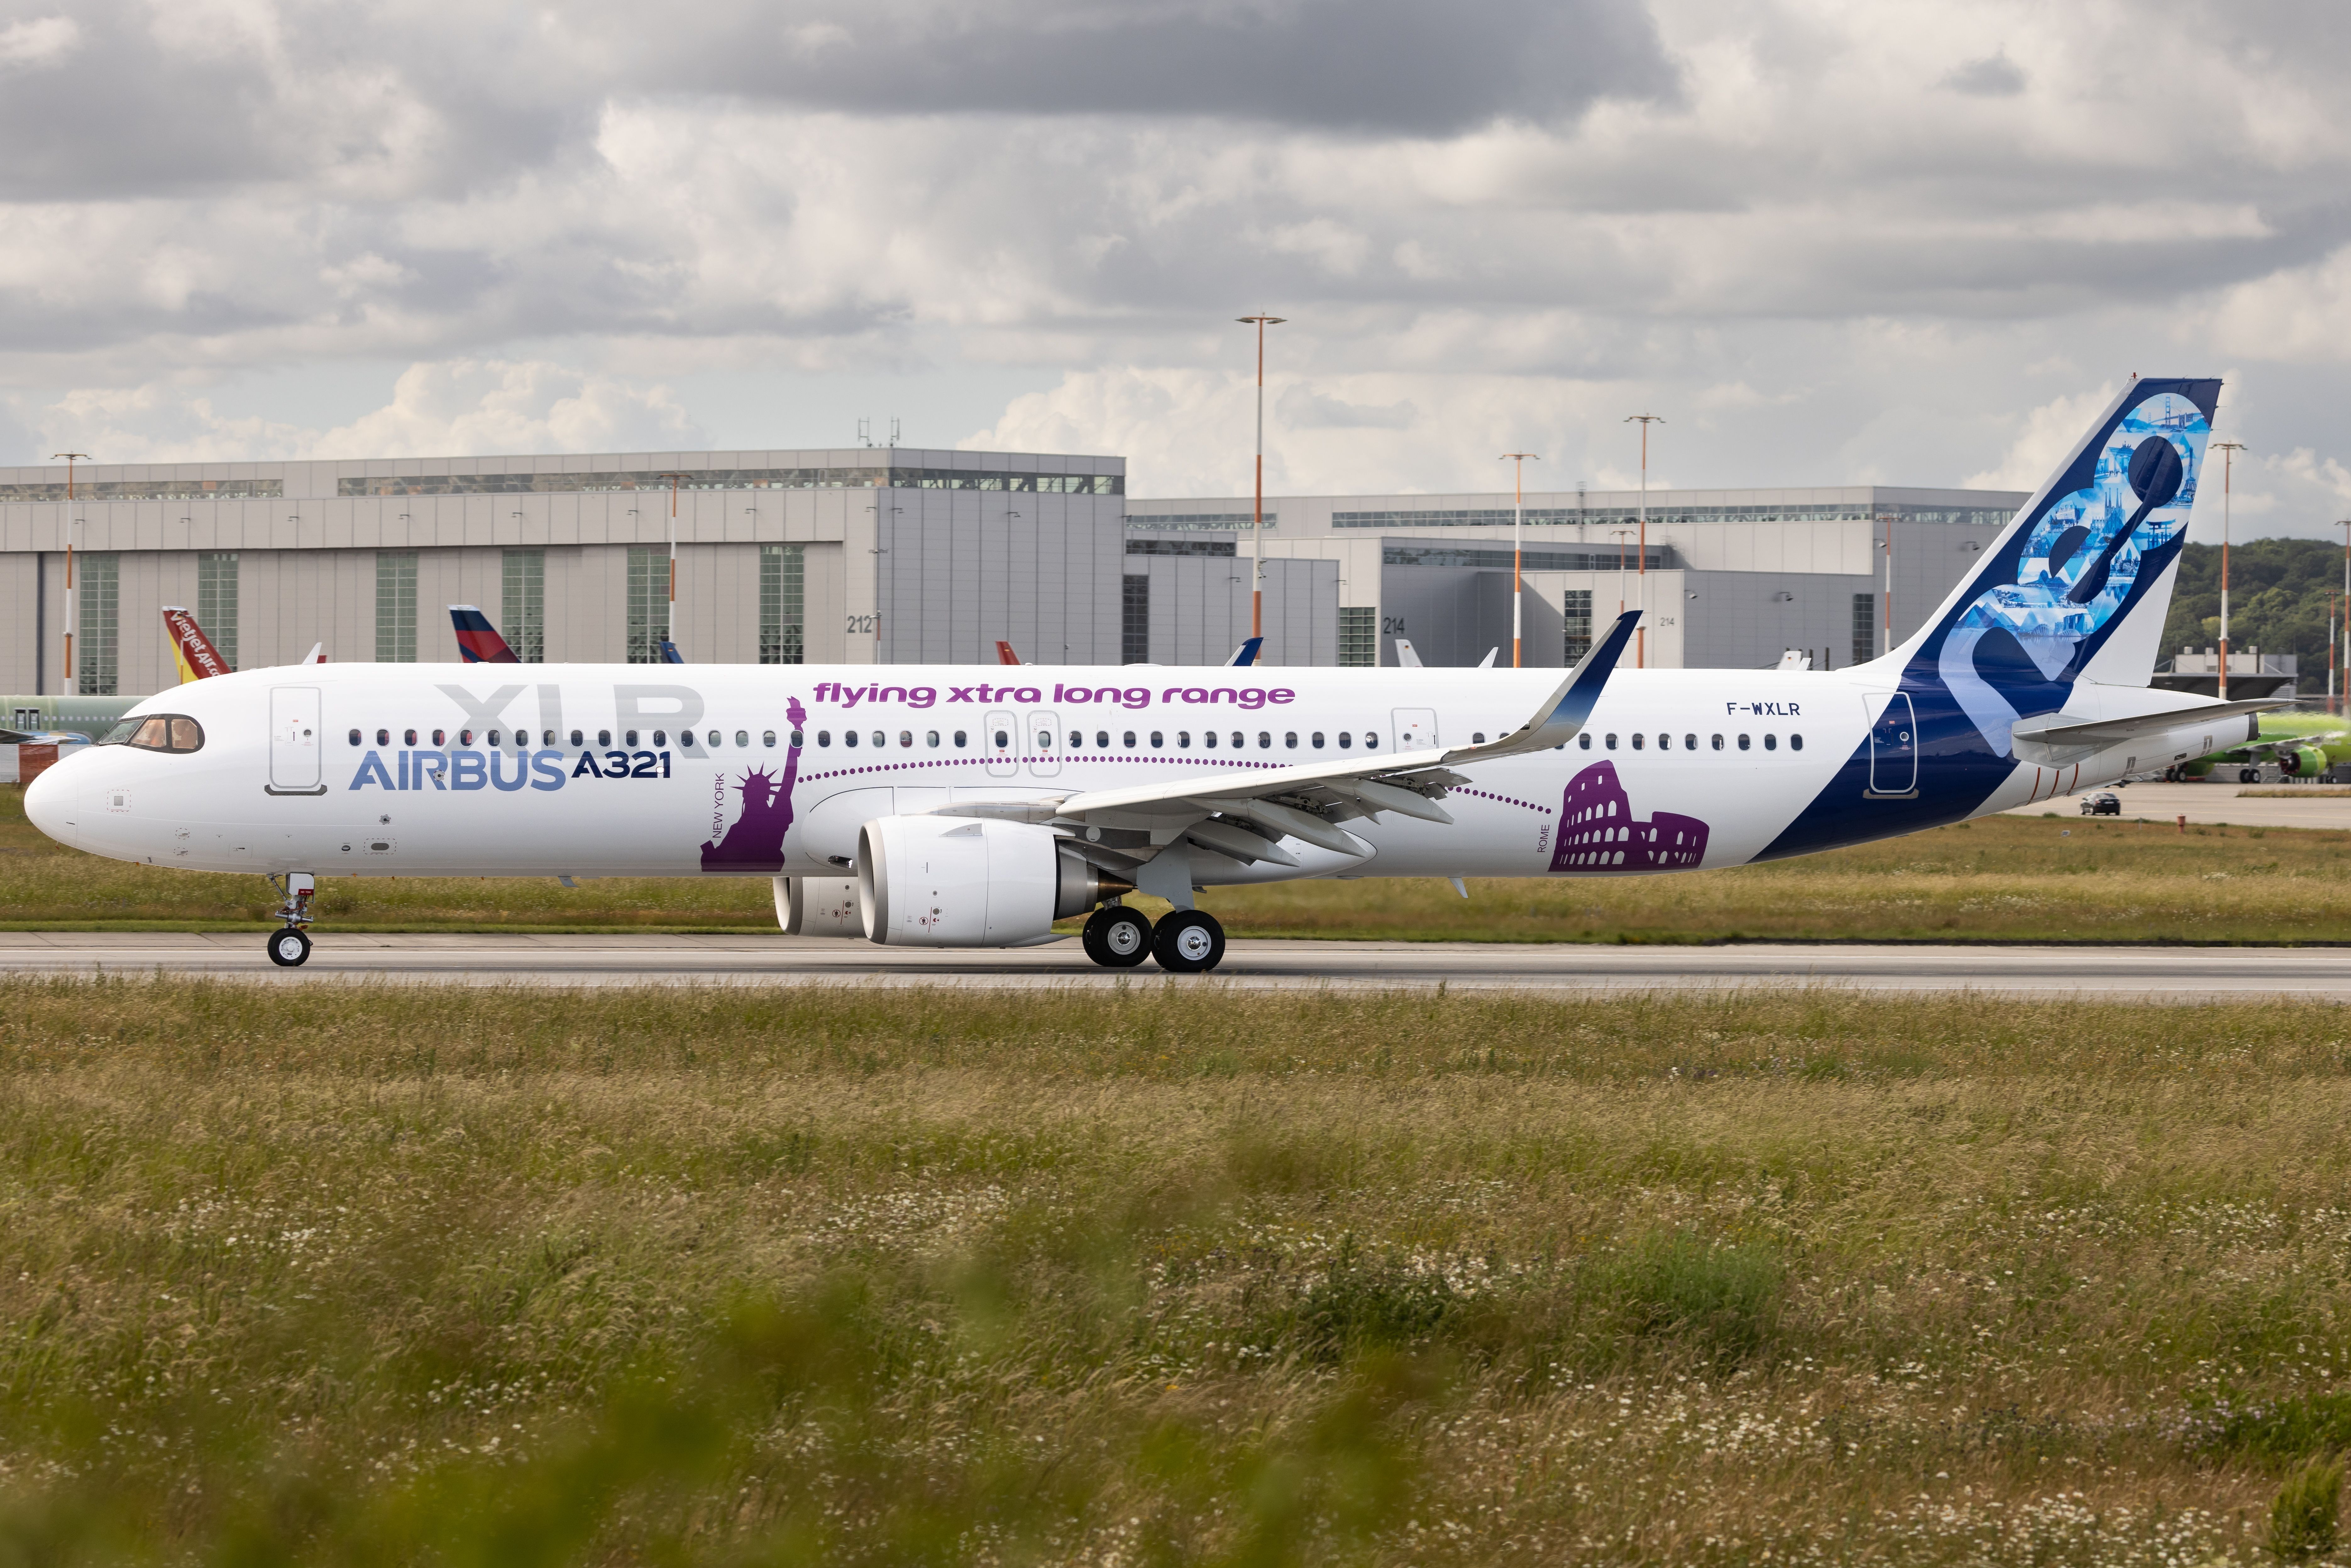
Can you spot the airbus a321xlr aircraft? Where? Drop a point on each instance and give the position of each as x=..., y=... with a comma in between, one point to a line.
x=974, y=806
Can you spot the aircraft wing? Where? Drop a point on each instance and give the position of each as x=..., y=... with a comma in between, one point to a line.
x=1245, y=813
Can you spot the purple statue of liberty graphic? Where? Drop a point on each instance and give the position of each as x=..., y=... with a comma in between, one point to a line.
x=756, y=840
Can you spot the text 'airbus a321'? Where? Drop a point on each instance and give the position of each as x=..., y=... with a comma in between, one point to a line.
x=974, y=806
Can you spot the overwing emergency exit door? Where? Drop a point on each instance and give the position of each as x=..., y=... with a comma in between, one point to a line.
x=1043, y=736
x=293, y=741
x=1415, y=727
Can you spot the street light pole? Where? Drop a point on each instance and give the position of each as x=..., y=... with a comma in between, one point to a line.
x=72, y=686
x=1640, y=637
x=669, y=626
x=1621, y=536
x=1257, y=518
x=1518, y=547
x=1886, y=543
x=2227, y=450
x=2345, y=526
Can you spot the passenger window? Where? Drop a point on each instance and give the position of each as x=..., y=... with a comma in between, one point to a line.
x=465, y=737
x=880, y=739
x=1044, y=741
x=629, y=738
x=849, y=737
x=576, y=738
x=798, y=737
x=439, y=738
x=1664, y=742
x=1318, y=740
x=1637, y=739
x=1239, y=740
x=408, y=738
x=959, y=739
x=1476, y=737
x=1209, y=740
x=1003, y=741
x=355, y=736
x=743, y=738
x=1689, y=743
x=1129, y=740
x=1584, y=740
x=1795, y=743
x=494, y=738
x=603, y=737
x=931, y=738
x=1771, y=743
x=1345, y=740
x=1102, y=740
x=1183, y=739
x=1370, y=740
x=1265, y=740
x=1742, y=743
x=824, y=737
x=383, y=738
x=1290, y=739
x=1718, y=743
x=905, y=737
x=1157, y=741
x=1612, y=742
x=1077, y=740
x=661, y=737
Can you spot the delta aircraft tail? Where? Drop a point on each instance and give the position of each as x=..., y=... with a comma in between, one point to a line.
x=2076, y=588
x=477, y=639
x=191, y=649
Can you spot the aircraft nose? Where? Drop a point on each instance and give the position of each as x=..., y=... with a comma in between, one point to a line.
x=52, y=799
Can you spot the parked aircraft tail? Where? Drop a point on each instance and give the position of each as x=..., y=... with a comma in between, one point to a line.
x=191, y=649
x=2077, y=587
x=1004, y=654
x=1246, y=652
x=477, y=639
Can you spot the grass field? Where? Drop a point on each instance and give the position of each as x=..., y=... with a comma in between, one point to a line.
x=1162, y=1277
x=2003, y=878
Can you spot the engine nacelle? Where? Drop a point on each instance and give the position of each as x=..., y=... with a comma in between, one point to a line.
x=2302, y=761
x=962, y=882
x=818, y=906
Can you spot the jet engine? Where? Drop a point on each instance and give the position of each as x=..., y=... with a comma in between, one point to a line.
x=2302, y=761
x=960, y=882
x=818, y=906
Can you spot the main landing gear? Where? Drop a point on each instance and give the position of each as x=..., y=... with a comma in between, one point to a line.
x=1188, y=942
x=291, y=948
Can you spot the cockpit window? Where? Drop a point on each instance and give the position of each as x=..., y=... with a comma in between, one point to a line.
x=158, y=732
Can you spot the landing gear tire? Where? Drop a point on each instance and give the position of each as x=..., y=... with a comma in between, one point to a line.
x=1118, y=937
x=289, y=949
x=2249, y=775
x=1189, y=941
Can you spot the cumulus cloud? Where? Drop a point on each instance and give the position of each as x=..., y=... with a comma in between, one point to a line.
x=456, y=408
x=1831, y=242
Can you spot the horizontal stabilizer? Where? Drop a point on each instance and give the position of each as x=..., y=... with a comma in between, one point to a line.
x=2056, y=739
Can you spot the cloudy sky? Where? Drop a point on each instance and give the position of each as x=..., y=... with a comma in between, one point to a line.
x=1829, y=241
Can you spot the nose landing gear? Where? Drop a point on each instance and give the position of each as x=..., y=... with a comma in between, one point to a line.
x=291, y=948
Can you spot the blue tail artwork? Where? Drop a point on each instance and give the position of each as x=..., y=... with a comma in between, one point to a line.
x=2080, y=581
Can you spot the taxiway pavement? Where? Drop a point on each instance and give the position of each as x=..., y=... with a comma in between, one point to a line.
x=2206, y=804
x=2154, y=974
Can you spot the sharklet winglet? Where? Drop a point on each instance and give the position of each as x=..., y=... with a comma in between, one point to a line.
x=1560, y=718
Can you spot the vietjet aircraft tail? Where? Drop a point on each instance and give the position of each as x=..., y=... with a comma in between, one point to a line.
x=191, y=649
x=2076, y=589
x=477, y=639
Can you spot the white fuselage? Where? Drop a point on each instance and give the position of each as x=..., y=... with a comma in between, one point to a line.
x=607, y=782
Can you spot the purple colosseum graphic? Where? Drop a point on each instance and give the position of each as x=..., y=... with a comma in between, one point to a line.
x=756, y=840
x=1597, y=829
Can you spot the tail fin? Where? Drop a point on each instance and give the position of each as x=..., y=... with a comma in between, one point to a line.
x=1246, y=652
x=2076, y=588
x=191, y=649
x=1004, y=654
x=477, y=641
x=669, y=654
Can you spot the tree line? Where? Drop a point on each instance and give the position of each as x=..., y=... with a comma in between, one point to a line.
x=2277, y=602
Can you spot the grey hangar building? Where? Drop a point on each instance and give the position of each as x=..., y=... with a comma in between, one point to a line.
x=870, y=555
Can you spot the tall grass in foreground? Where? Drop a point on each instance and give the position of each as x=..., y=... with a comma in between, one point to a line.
x=1173, y=1275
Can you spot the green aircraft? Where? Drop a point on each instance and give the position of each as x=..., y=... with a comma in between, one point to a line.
x=2299, y=745
x=92, y=716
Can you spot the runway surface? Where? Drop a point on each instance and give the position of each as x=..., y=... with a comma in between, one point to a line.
x=2154, y=974
x=2211, y=803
